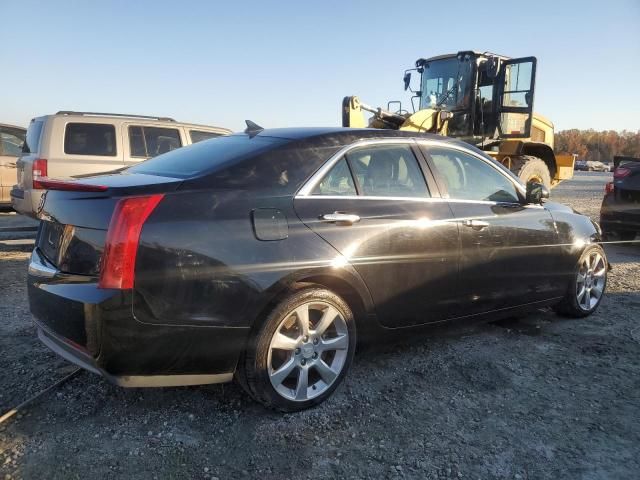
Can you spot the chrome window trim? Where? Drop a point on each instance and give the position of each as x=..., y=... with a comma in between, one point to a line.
x=414, y=199
x=311, y=183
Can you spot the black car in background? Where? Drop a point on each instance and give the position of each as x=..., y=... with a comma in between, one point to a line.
x=620, y=210
x=264, y=255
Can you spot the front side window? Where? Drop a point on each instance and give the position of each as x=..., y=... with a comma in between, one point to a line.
x=199, y=135
x=96, y=139
x=387, y=171
x=11, y=142
x=149, y=142
x=469, y=178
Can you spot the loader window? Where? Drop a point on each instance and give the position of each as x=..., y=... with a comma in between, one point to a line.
x=446, y=82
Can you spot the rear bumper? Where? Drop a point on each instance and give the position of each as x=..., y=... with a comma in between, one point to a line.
x=26, y=202
x=618, y=216
x=96, y=330
x=82, y=359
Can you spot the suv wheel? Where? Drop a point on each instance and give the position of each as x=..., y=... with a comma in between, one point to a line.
x=587, y=287
x=301, y=352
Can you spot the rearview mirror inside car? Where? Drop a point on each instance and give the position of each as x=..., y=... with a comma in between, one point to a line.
x=536, y=192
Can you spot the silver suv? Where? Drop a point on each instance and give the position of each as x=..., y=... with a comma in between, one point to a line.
x=69, y=144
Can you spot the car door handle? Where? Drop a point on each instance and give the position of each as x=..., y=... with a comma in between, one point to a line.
x=10, y=165
x=338, y=217
x=475, y=224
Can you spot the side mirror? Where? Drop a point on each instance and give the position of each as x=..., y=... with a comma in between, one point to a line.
x=407, y=80
x=536, y=192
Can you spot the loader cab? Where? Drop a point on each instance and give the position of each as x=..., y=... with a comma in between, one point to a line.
x=489, y=96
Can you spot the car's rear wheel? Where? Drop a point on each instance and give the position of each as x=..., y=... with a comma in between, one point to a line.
x=588, y=285
x=302, y=351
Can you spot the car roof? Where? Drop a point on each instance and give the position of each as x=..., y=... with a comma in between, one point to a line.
x=90, y=117
x=15, y=127
x=344, y=135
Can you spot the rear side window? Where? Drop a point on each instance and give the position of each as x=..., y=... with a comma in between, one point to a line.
x=153, y=141
x=337, y=182
x=199, y=136
x=32, y=141
x=97, y=139
x=387, y=171
x=205, y=157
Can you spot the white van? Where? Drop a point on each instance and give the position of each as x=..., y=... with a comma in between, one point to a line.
x=69, y=144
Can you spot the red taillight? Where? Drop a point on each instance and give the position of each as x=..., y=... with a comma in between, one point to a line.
x=38, y=170
x=121, y=246
x=69, y=186
x=608, y=188
x=621, y=172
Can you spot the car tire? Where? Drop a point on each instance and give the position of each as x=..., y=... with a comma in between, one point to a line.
x=588, y=285
x=289, y=368
x=529, y=168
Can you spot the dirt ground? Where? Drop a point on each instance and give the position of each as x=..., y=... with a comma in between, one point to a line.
x=536, y=397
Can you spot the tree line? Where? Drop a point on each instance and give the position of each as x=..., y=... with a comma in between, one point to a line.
x=598, y=146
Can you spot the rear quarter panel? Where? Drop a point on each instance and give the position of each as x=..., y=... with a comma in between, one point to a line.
x=200, y=263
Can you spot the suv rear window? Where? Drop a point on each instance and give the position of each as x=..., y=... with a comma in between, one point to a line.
x=199, y=136
x=97, y=139
x=204, y=157
x=153, y=141
x=32, y=141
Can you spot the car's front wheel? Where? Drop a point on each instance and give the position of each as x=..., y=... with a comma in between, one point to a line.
x=588, y=284
x=301, y=352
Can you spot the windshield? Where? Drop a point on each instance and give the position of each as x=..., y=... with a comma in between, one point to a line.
x=446, y=82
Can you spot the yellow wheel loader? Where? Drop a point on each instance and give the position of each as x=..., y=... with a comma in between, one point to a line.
x=483, y=99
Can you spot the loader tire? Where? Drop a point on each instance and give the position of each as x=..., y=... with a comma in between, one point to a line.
x=531, y=169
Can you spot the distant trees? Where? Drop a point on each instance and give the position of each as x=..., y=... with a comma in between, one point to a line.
x=598, y=146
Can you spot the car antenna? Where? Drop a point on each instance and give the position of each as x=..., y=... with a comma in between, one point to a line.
x=253, y=128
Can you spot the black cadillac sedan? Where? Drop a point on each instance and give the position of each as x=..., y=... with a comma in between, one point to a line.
x=264, y=255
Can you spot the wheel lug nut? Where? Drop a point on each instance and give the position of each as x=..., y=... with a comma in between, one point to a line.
x=305, y=338
x=303, y=362
x=315, y=341
x=297, y=351
x=315, y=355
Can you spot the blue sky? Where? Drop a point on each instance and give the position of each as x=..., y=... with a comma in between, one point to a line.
x=290, y=63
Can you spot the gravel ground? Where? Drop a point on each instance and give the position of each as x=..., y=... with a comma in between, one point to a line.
x=536, y=397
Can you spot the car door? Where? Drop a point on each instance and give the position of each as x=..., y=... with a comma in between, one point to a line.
x=372, y=204
x=509, y=249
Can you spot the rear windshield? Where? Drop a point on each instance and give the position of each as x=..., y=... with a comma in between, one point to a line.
x=32, y=142
x=97, y=139
x=205, y=156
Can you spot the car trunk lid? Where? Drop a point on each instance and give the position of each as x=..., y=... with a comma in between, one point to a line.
x=74, y=221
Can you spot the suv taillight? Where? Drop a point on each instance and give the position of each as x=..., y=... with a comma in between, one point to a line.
x=621, y=172
x=38, y=170
x=121, y=246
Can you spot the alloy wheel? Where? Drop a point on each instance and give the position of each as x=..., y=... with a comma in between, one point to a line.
x=591, y=280
x=308, y=351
